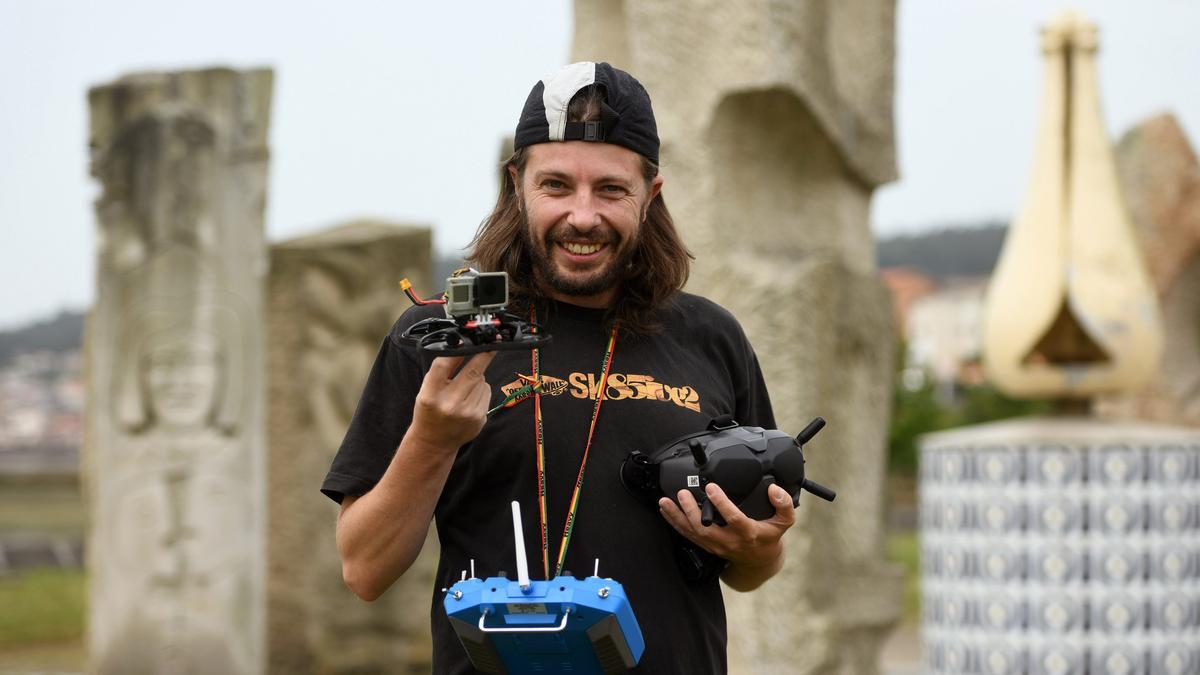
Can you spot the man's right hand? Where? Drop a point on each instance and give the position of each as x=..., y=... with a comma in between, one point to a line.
x=451, y=408
x=380, y=533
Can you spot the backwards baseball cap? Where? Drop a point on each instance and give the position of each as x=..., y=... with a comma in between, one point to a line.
x=626, y=118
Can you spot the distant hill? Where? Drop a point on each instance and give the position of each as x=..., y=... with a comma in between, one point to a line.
x=61, y=333
x=956, y=251
x=948, y=252
x=961, y=251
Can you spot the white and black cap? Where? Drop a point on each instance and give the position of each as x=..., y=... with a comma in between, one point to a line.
x=626, y=118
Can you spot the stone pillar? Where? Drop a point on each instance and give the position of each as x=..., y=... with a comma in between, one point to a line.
x=174, y=452
x=332, y=298
x=775, y=134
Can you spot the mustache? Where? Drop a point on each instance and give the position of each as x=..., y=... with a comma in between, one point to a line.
x=566, y=232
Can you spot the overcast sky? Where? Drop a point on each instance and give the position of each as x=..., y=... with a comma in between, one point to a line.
x=397, y=110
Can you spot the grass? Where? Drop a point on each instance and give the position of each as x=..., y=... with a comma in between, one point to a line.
x=41, y=605
x=42, y=610
x=51, y=505
x=905, y=549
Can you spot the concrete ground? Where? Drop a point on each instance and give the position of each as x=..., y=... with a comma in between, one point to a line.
x=902, y=652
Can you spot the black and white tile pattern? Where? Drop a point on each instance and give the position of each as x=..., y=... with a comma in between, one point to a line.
x=1061, y=549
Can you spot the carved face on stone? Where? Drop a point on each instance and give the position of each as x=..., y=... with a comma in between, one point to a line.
x=583, y=205
x=181, y=377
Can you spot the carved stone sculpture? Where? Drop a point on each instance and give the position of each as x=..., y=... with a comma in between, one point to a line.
x=174, y=456
x=332, y=297
x=776, y=125
x=1161, y=181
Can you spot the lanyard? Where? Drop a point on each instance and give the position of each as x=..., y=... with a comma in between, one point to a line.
x=573, y=506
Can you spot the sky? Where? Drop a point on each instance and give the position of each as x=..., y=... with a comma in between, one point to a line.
x=397, y=110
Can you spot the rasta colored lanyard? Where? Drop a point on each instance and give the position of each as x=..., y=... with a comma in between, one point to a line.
x=573, y=506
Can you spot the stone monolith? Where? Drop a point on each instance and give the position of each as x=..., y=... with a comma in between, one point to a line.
x=776, y=125
x=332, y=297
x=174, y=453
x=1160, y=178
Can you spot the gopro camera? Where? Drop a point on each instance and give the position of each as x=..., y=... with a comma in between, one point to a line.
x=473, y=292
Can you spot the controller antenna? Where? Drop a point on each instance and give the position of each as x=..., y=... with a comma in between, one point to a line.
x=519, y=541
x=803, y=437
x=811, y=430
x=819, y=490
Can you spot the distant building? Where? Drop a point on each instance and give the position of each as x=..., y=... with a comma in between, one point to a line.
x=945, y=329
x=907, y=285
x=41, y=400
x=24, y=425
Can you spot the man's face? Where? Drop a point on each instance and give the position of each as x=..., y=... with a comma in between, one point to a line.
x=583, y=205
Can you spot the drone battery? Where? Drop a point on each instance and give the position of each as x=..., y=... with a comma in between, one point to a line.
x=580, y=626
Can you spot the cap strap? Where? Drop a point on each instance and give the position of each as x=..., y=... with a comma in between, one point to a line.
x=584, y=131
x=593, y=131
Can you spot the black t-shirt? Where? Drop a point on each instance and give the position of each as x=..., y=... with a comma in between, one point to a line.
x=660, y=387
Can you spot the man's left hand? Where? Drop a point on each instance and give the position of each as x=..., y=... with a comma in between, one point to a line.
x=752, y=547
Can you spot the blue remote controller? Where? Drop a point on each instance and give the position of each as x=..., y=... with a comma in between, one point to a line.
x=581, y=626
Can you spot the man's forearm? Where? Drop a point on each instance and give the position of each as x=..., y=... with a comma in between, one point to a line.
x=380, y=534
x=745, y=576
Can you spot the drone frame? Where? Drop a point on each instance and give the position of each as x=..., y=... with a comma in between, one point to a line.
x=463, y=336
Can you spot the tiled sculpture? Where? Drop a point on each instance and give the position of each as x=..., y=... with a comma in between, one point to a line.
x=1061, y=547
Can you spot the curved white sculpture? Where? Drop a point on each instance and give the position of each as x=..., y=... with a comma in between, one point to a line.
x=1071, y=311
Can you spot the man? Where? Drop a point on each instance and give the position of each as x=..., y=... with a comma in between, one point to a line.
x=583, y=231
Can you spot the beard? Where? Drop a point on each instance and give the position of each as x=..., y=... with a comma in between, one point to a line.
x=596, y=282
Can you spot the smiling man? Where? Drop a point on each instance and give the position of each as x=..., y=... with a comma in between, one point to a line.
x=592, y=254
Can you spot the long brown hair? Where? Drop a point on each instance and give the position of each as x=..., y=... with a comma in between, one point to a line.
x=658, y=268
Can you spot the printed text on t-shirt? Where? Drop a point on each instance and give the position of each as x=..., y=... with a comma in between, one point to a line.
x=621, y=386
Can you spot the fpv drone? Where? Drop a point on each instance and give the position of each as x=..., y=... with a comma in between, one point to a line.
x=475, y=319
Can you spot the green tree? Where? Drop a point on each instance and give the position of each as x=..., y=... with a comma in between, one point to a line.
x=914, y=412
x=920, y=410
